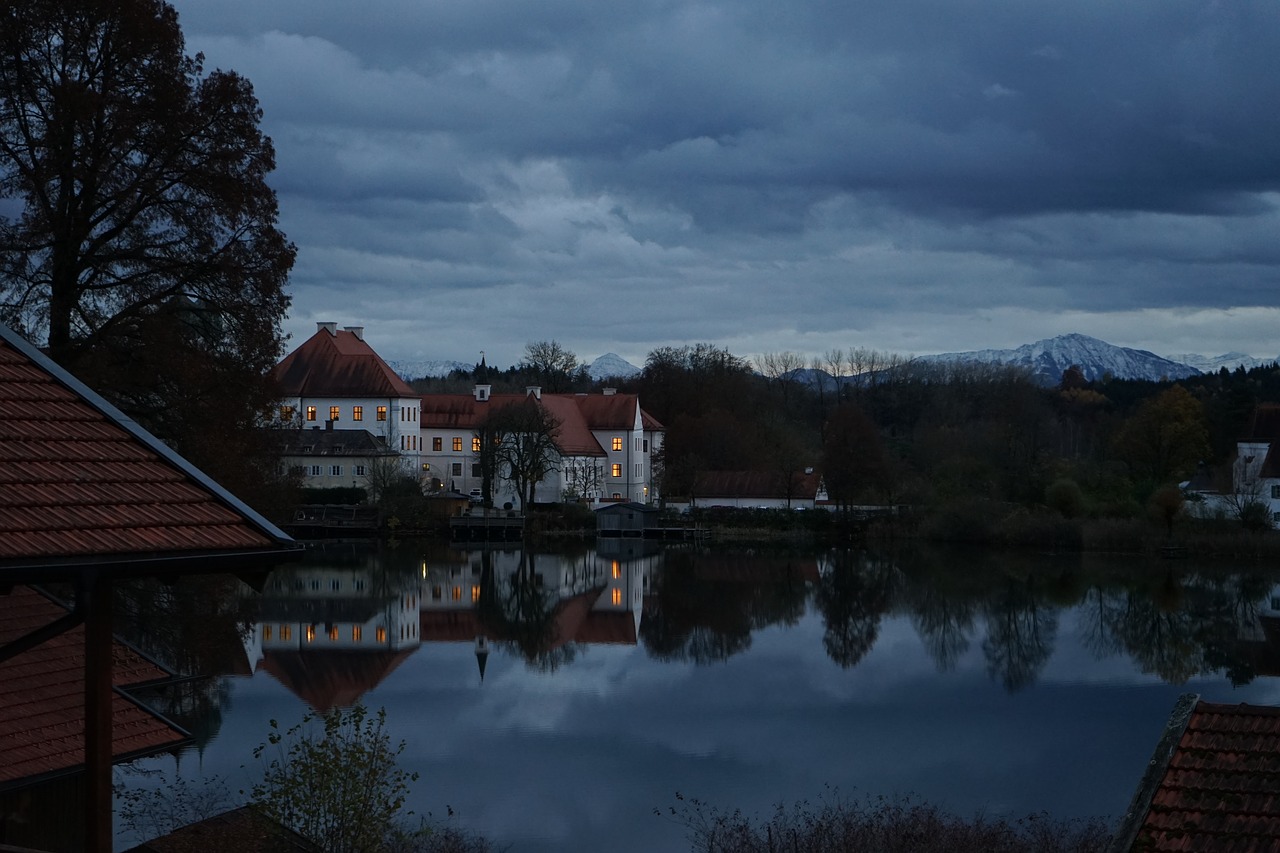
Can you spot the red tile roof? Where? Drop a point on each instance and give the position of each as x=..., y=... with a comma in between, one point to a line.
x=244, y=830
x=42, y=701
x=338, y=364
x=578, y=415
x=1213, y=784
x=79, y=480
x=331, y=679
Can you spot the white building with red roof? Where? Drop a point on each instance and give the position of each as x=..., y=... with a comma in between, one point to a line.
x=335, y=381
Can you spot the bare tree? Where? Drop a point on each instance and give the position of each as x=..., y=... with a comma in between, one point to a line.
x=525, y=435
x=555, y=367
x=583, y=478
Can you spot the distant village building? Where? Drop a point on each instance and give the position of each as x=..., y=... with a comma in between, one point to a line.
x=336, y=383
x=755, y=489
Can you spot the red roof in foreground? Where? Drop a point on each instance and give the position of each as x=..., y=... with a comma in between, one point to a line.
x=244, y=830
x=42, y=699
x=78, y=479
x=1213, y=784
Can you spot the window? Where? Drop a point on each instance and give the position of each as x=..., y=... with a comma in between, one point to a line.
x=457, y=469
x=636, y=444
x=1275, y=493
x=359, y=470
x=357, y=413
x=616, y=469
x=333, y=634
x=334, y=411
x=436, y=593
x=335, y=585
x=311, y=633
x=382, y=413
x=475, y=444
x=475, y=594
x=617, y=442
x=646, y=445
x=617, y=569
x=357, y=633
x=315, y=470
x=457, y=593
x=457, y=444
x=639, y=470
x=286, y=413
x=286, y=632
x=335, y=470
x=617, y=596
x=381, y=634
x=475, y=470
x=311, y=413
x=266, y=632
x=437, y=444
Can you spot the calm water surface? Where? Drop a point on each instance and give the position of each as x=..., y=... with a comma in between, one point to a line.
x=616, y=678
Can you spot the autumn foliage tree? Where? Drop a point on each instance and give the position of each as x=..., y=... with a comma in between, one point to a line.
x=1165, y=438
x=144, y=252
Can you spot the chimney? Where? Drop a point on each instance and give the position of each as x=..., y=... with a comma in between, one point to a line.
x=609, y=392
x=358, y=331
x=482, y=393
x=535, y=390
x=331, y=328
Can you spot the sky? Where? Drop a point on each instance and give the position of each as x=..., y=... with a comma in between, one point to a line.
x=915, y=176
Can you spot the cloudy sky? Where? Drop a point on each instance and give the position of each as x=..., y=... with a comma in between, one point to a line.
x=910, y=175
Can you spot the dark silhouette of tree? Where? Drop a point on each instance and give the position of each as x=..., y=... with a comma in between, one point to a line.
x=146, y=253
x=855, y=464
x=853, y=596
x=524, y=435
x=1021, y=631
x=1165, y=438
x=555, y=368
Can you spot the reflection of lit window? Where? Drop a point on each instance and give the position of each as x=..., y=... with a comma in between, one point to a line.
x=457, y=593
x=475, y=594
x=436, y=593
x=617, y=443
x=357, y=633
x=381, y=634
x=286, y=632
x=617, y=569
x=266, y=632
x=333, y=634
x=617, y=596
x=311, y=633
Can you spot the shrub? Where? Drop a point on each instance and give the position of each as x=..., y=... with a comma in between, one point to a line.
x=1065, y=495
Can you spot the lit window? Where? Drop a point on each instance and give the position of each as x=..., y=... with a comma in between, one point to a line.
x=286, y=413
x=617, y=596
x=437, y=444
x=381, y=634
x=333, y=634
x=311, y=413
x=617, y=442
x=357, y=413
x=357, y=633
x=311, y=633
x=266, y=632
x=457, y=593
x=617, y=496
x=334, y=411
x=335, y=470
x=457, y=444
x=286, y=632
x=617, y=469
x=382, y=413
x=457, y=469
x=475, y=594
x=475, y=444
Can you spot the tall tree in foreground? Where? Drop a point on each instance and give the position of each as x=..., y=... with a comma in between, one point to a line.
x=145, y=253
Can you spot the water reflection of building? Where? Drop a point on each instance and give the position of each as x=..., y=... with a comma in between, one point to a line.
x=594, y=597
x=332, y=634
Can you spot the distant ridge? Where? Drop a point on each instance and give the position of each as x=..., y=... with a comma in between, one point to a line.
x=1047, y=359
x=608, y=366
x=611, y=366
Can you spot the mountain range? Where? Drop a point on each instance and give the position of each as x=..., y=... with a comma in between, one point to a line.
x=1045, y=359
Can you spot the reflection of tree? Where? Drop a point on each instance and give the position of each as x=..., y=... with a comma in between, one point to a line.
x=1020, y=635
x=695, y=618
x=852, y=596
x=521, y=614
x=944, y=622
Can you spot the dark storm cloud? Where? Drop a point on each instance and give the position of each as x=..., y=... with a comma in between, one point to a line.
x=801, y=176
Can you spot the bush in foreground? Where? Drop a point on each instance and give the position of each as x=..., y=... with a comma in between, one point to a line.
x=880, y=825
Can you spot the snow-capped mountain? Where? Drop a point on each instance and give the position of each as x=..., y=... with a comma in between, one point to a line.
x=1048, y=358
x=410, y=370
x=611, y=366
x=1214, y=363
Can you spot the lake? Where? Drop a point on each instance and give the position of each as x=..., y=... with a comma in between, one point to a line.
x=610, y=678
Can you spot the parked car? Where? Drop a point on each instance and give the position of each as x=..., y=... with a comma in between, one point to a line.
x=476, y=496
